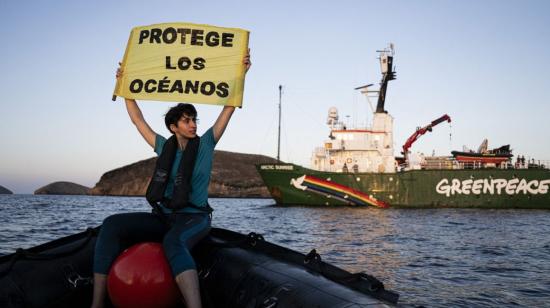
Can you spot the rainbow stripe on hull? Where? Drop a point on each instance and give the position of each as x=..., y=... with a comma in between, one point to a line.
x=337, y=191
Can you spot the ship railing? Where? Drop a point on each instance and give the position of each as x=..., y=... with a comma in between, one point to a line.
x=532, y=164
x=453, y=164
x=438, y=165
x=506, y=165
x=443, y=165
x=480, y=165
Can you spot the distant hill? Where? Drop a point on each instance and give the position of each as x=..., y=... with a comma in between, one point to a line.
x=62, y=188
x=233, y=175
x=5, y=191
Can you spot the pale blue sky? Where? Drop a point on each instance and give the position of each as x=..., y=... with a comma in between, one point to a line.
x=485, y=63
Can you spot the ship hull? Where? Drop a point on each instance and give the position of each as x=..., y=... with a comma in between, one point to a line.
x=466, y=188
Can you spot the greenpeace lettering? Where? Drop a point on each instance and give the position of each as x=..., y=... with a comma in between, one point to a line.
x=491, y=186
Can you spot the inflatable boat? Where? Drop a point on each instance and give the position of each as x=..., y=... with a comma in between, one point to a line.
x=235, y=270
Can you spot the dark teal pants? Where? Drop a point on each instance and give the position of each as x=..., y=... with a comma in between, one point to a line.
x=179, y=233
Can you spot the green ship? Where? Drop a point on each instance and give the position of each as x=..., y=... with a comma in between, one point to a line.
x=357, y=167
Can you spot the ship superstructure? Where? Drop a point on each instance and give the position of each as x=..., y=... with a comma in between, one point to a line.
x=366, y=149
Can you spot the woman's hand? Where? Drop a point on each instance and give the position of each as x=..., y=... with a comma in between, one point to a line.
x=119, y=71
x=246, y=61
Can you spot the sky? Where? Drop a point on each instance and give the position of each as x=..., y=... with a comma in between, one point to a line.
x=484, y=63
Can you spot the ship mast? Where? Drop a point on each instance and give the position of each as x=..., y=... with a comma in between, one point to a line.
x=386, y=63
x=279, y=132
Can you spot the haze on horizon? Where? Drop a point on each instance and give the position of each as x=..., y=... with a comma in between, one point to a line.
x=484, y=63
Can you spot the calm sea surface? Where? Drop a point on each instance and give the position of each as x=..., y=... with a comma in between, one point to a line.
x=432, y=257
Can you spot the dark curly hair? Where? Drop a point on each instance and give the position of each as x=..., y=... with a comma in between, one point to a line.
x=175, y=113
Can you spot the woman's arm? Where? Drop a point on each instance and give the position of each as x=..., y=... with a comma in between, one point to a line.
x=137, y=117
x=222, y=121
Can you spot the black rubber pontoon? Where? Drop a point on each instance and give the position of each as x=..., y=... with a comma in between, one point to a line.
x=235, y=270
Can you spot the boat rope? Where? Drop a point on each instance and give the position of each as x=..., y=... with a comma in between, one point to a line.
x=251, y=239
x=25, y=254
x=361, y=281
x=74, y=278
x=450, y=137
x=265, y=137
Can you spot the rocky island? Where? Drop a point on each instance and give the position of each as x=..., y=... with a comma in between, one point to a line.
x=5, y=191
x=234, y=175
x=62, y=188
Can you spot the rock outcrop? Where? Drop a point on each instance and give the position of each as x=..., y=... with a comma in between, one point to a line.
x=62, y=188
x=5, y=191
x=233, y=175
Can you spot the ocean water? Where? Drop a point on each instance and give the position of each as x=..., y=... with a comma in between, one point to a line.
x=432, y=257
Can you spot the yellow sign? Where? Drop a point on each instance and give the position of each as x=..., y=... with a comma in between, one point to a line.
x=184, y=62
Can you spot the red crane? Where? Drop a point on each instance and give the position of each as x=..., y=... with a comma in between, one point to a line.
x=421, y=131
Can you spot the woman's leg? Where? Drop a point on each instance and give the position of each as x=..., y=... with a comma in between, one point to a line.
x=117, y=233
x=100, y=290
x=186, y=230
x=188, y=284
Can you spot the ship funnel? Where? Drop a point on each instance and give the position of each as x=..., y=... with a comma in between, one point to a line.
x=332, y=118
